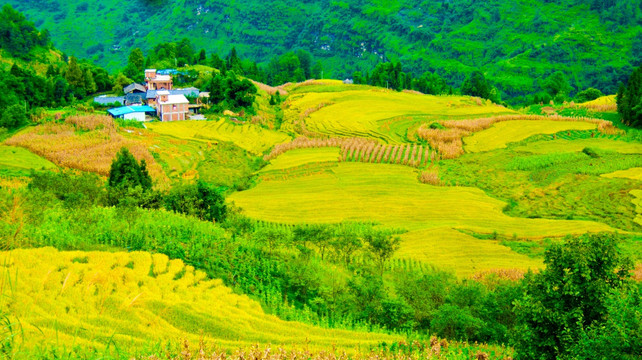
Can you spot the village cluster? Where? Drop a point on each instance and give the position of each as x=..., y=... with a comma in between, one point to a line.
x=156, y=97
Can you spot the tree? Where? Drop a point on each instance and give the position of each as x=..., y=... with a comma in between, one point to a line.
x=568, y=297
x=75, y=77
x=201, y=200
x=557, y=86
x=476, y=85
x=629, y=100
x=14, y=116
x=135, y=68
x=120, y=82
x=382, y=246
x=588, y=95
x=126, y=172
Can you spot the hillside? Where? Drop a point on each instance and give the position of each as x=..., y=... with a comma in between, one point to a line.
x=133, y=300
x=516, y=44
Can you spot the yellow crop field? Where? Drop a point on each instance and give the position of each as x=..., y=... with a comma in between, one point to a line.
x=252, y=138
x=391, y=195
x=632, y=173
x=133, y=300
x=301, y=157
x=563, y=145
x=500, y=134
x=447, y=248
x=377, y=113
x=19, y=158
x=603, y=104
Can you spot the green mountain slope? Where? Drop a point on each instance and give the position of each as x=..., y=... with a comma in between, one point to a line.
x=516, y=43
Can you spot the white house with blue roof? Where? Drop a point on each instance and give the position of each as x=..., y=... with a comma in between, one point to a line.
x=137, y=113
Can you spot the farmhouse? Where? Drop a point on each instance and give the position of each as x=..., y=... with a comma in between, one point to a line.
x=171, y=107
x=155, y=81
x=134, y=88
x=131, y=112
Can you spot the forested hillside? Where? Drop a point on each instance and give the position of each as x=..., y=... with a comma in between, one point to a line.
x=517, y=44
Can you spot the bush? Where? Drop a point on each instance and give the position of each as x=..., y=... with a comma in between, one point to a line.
x=201, y=200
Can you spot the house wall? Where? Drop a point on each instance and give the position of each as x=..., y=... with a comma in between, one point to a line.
x=173, y=112
x=138, y=116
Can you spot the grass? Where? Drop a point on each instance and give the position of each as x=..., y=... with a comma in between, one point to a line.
x=130, y=300
x=500, y=134
x=379, y=114
x=12, y=157
x=563, y=145
x=391, y=195
x=249, y=137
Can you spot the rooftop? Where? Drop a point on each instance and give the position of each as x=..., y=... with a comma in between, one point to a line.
x=130, y=109
x=175, y=99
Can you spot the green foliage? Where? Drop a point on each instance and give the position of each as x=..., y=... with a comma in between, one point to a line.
x=128, y=173
x=569, y=297
x=593, y=45
x=73, y=189
x=231, y=91
x=13, y=117
x=201, y=200
x=476, y=85
x=588, y=95
x=629, y=100
x=18, y=36
x=129, y=183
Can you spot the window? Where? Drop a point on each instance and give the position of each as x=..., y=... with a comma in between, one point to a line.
x=174, y=107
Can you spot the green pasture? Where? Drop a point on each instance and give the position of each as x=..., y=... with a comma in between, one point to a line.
x=502, y=133
x=17, y=158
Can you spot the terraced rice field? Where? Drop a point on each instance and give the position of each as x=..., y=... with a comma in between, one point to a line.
x=137, y=299
x=379, y=114
x=563, y=145
x=301, y=157
x=18, y=158
x=391, y=195
x=252, y=138
x=448, y=248
x=500, y=134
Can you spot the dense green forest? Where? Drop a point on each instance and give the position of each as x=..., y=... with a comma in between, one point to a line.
x=516, y=44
